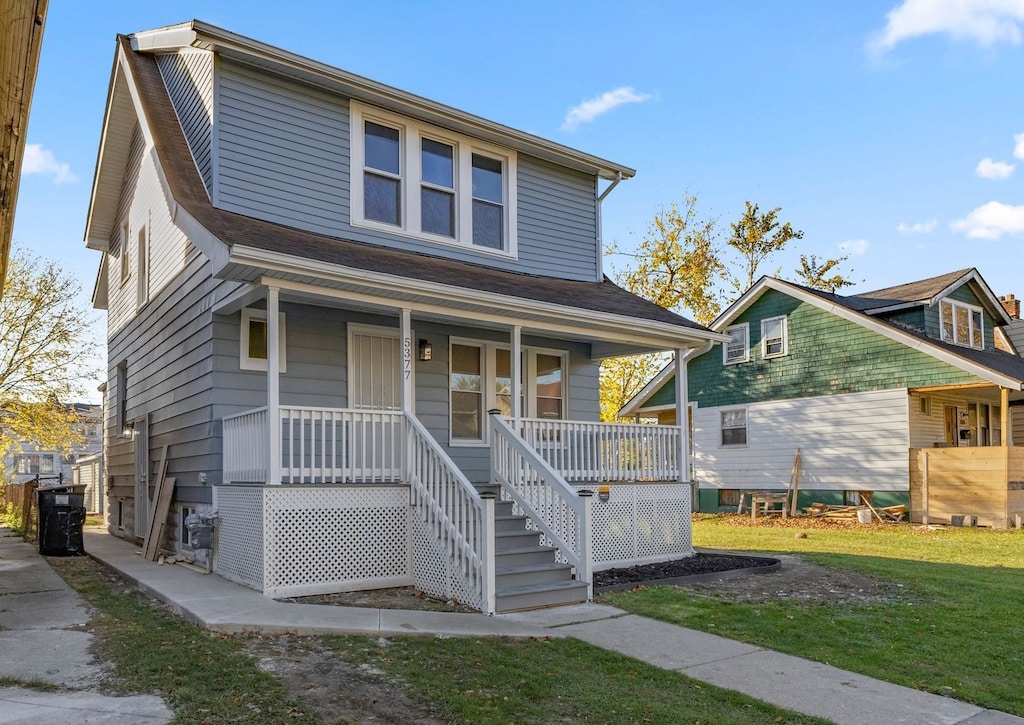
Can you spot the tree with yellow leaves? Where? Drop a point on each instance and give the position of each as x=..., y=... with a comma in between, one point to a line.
x=46, y=355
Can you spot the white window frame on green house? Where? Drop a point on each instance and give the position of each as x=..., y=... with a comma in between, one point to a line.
x=737, y=350
x=962, y=324
x=248, y=358
x=473, y=192
x=492, y=389
x=727, y=415
x=768, y=341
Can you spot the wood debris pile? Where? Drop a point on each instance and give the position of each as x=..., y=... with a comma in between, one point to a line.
x=851, y=513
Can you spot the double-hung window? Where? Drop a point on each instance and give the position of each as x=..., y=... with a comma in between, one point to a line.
x=737, y=350
x=421, y=181
x=734, y=427
x=962, y=324
x=774, y=337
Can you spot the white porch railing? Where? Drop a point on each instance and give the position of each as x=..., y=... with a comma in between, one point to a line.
x=318, y=445
x=555, y=508
x=455, y=518
x=605, y=451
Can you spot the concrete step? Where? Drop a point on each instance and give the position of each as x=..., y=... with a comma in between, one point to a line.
x=536, y=596
x=517, y=576
x=524, y=556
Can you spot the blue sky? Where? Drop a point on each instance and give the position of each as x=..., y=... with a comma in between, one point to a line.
x=891, y=131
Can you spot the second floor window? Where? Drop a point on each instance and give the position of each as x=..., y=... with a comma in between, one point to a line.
x=737, y=350
x=30, y=463
x=416, y=180
x=774, y=337
x=962, y=324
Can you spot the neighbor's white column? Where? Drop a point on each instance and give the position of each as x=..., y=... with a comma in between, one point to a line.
x=682, y=420
x=273, y=384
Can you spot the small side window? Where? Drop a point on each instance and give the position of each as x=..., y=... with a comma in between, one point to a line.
x=734, y=427
x=253, y=340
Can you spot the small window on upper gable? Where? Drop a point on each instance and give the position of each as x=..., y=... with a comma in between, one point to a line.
x=737, y=350
x=962, y=324
x=774, y=337
x=420, y=181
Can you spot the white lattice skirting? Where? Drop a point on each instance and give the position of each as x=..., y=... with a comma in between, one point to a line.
x=292, y=540
x=640, y=524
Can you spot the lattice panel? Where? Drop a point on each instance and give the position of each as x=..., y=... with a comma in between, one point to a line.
x=322, y=539
x=434, y=572
x=641, y=523
x=239, y=527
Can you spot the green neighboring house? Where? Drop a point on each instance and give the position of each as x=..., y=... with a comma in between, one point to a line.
x=855, y=382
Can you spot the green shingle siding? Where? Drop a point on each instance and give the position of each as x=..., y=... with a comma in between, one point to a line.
x=827, y=356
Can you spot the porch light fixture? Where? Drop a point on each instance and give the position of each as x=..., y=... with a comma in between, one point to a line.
x=128, y=431
x=426, y=350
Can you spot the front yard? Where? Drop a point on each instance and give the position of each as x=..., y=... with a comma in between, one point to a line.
x=935, y=609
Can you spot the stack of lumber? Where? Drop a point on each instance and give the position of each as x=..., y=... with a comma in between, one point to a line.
x=828, y=511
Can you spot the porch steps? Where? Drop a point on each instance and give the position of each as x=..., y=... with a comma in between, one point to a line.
x=527, y=573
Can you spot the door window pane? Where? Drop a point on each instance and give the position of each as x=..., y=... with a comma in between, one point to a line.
x=466, y=392
x=549, y=386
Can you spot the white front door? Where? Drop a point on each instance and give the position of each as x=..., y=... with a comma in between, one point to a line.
x=374, y=371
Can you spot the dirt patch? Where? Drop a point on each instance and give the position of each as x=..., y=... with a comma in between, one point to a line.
x=393, y=598
x=334, y=690
x=699, y=567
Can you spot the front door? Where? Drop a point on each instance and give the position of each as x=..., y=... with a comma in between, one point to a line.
x=374, y=368
x=952, y=436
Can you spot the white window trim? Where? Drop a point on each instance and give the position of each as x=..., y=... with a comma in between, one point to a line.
x=785, y=337
x=488, y=373
x=125, y=270
x=746, y=426
x=254, y=363
x=745, y=326
x=954, y=304
x=410, y=164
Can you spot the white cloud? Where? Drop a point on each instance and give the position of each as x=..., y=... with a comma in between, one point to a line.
x=986, y=22
x=41, y=161
x=594, y=107
x=918, y=228
x=855, y=247
x=989, y=169
x=991, y=221
x=1018, y=146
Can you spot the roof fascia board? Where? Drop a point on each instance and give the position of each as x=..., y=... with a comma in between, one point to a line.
x=907, y=339
x=198, y=34
x=636, y=403
x=91, y=242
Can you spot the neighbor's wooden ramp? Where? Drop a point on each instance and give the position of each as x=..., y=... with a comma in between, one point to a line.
x=158, y=514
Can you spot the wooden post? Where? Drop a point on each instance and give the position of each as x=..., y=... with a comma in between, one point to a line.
x=683, y=475
x=1004, y=417
x=924, y=486
x=794, y=484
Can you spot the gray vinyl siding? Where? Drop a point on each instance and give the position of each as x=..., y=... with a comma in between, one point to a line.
x=188, y=76
x=283, y=156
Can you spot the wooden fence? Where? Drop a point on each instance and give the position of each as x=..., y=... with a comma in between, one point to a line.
x=986, y=482
x=18, y=500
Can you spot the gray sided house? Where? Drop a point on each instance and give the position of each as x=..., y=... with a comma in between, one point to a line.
x=363, y=330
x=911, y=393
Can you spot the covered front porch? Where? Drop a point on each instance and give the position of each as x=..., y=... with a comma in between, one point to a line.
x=430, y=468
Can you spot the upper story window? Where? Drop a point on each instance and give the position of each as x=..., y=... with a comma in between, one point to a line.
x=417, y=180
x=774, y=337
x=962, y=324
x=29, y=463
x=737, y=350
x=125, y=269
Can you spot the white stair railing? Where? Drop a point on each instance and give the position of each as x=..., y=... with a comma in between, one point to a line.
x=595, y=452
x=455, y=515
x=556, y=509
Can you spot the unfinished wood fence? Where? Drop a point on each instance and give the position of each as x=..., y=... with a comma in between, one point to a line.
x=18, y=500
x=986, y=482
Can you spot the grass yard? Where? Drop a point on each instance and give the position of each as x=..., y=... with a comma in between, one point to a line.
x=953, y=627
x=493, y=680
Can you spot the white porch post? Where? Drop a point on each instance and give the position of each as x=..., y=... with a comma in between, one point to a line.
x=408, y=391
x=682, y=419
x=274, y=384
x=516, y=371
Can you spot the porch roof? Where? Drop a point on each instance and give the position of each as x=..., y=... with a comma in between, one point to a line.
x=250, y=250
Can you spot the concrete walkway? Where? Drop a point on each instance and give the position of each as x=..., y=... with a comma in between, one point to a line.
x=42, y=640
x=790, y=682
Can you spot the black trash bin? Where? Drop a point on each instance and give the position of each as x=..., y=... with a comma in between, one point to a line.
x=61, y=519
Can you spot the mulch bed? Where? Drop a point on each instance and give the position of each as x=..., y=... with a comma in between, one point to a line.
x=700, y=567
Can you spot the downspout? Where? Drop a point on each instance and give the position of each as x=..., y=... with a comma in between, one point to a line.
x=600, y=234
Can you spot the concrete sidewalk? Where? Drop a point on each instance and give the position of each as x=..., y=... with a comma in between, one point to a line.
x=790, y=682
x=42, y=640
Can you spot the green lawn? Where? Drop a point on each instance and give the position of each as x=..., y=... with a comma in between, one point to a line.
x=955, y=629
